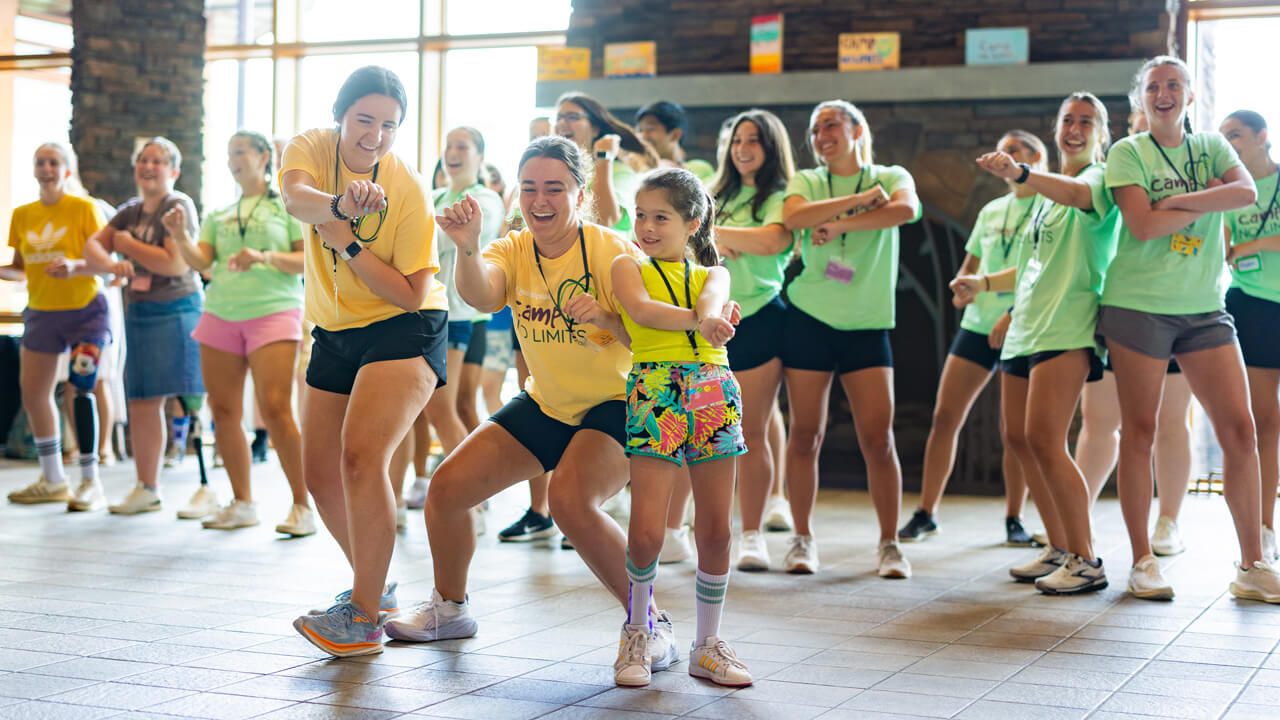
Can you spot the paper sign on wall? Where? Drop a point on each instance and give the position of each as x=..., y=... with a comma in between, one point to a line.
x=563, y=63
x=869, y=51
x=635, y=59
x=766, y=44
x=996, y=46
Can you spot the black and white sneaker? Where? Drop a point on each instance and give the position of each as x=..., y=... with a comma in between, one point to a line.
x=1076, y=575
x=1050, y=559
x=1014, y=534
x=920, y=526
x=531, y=526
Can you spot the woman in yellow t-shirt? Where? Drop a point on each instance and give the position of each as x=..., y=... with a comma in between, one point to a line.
x=63, y=314
x=370, y=263
x=571, y=417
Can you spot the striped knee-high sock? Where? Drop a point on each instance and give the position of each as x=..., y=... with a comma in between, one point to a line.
x=49, y=450
x=709, y=590
x=641, y=592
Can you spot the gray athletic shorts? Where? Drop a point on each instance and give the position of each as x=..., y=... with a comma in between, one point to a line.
x=1163, y=336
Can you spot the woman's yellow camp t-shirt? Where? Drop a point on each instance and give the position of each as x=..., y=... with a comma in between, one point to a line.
x=336, y=298
x=572, y=367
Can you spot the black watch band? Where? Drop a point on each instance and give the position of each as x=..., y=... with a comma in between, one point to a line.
x=1026, y=173
x=350, y=251
x=603, y=155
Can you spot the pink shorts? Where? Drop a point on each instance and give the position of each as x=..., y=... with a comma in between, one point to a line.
x=242, y=337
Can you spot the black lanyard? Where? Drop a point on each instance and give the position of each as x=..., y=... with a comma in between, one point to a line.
x=1042, y=215
x=688, y=297
x=570, y=283
x=337, y=182
x=1004, y=226
x=831, y=193
x=1194, y=184
x=244, y=224
x=1270, y=209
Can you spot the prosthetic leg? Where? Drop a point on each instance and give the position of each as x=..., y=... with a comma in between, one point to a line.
x=83, y=377
x=204, y=502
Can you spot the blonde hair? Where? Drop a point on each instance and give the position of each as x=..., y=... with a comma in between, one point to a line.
x=851, y=111
x=1101, y=126
x=1139, y=80
x=167, y=146
x=74, y=186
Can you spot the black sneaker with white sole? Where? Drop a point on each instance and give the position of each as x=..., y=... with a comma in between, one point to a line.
x=920, y=526
x=531, y=526
x=1015, y=535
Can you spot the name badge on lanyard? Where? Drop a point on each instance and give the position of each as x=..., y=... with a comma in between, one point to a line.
x=1185, y=244
x=1248, y=264
x=839, y=272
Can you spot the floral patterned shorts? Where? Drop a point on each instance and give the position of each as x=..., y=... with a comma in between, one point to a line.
x=686, y=412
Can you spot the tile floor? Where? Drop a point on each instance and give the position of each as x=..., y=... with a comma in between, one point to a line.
x=152, y=617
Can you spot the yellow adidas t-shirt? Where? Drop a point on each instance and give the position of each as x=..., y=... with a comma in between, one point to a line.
x=569, y=372
x=43, y=233
x=337, y=299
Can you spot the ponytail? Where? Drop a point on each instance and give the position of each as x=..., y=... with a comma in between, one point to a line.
x=691, y=200
x=702, y=244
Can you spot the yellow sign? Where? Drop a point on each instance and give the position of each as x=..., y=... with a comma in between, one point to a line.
x=868, y=51
x=563, y=63
x=636, y=59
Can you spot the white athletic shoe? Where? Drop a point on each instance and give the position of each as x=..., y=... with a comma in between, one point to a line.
x=1269, y=552
x=436, y=619
x=237, y=514
x=714, y=660
x=418, y=493
x=89, y=496
x=300, y=522
x=1166, y=540
x=41, y=492
x=1146, y=581
x=892, y=563
x=777, y=514
x=631, y=669
x=1075, y=576
x=753, y=554
x=1260, y=582
x=202, y=504
x=139, y=500
x=802, y=557
x=675, y=546
x=1049, y=559
x=662, y=643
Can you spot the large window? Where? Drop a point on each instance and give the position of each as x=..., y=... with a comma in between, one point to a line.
x=276, y=67
x=1231, y=51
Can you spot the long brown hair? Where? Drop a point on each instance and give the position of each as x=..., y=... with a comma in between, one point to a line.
x=607, y=123
x=774, y=172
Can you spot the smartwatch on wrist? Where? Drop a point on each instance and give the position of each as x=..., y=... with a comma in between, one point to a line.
x=350, y=251
x=602, y=155
x=1026, y=173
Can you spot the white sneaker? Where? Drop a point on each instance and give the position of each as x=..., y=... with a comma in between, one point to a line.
x=402, y=517
x=1259, y=582
x=631, y=669
x=237, y=514
x=418, y=493
x=1075, y=576
x=139, y=500
x=802, y=557
x=675, y=546
x=89, y=496
x=777, y=514
x=1146, y=582
x=1269, y=552
x=619, y=506
x=1166, y=540
x=662, y=643
x=300, y=522
x=714, y=660
x=477, y=515
x=1049, y=559
x=41, y=492
x=1040, y=538
x=753, y=554
x=202, y=504
x=436, y=619
x=892, y=563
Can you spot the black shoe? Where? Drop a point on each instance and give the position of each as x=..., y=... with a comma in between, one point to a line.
x=564, y=543
x=920, y=525
x=1015, y=534
x=532, y=526
x=258, y=449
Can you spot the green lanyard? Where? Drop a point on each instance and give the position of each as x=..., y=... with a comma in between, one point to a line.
x=569, y=284
x=1004, y=226
x=1271, y=207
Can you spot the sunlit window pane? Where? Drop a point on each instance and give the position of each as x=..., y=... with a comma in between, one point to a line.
x=320, y=77
x=223, y=22
x=475, y=17
x=42, y=35
x=327, y=20
x=224, y=114
x=1228, y=57
x=500, y=107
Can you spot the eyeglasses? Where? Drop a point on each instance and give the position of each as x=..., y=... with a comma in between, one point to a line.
x=571, y=117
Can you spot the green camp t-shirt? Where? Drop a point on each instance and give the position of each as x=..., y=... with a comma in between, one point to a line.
x=262, y=289
x=625, y=184
x=1151, y=276
x=754, y=280
x=491, y=211
x=994, y=241
x=1247, y=225
x=868, y=301
x=1056, y=303
x=703, y=169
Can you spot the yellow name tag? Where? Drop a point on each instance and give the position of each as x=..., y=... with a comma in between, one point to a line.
x=602, y=339
x=1185, y=245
